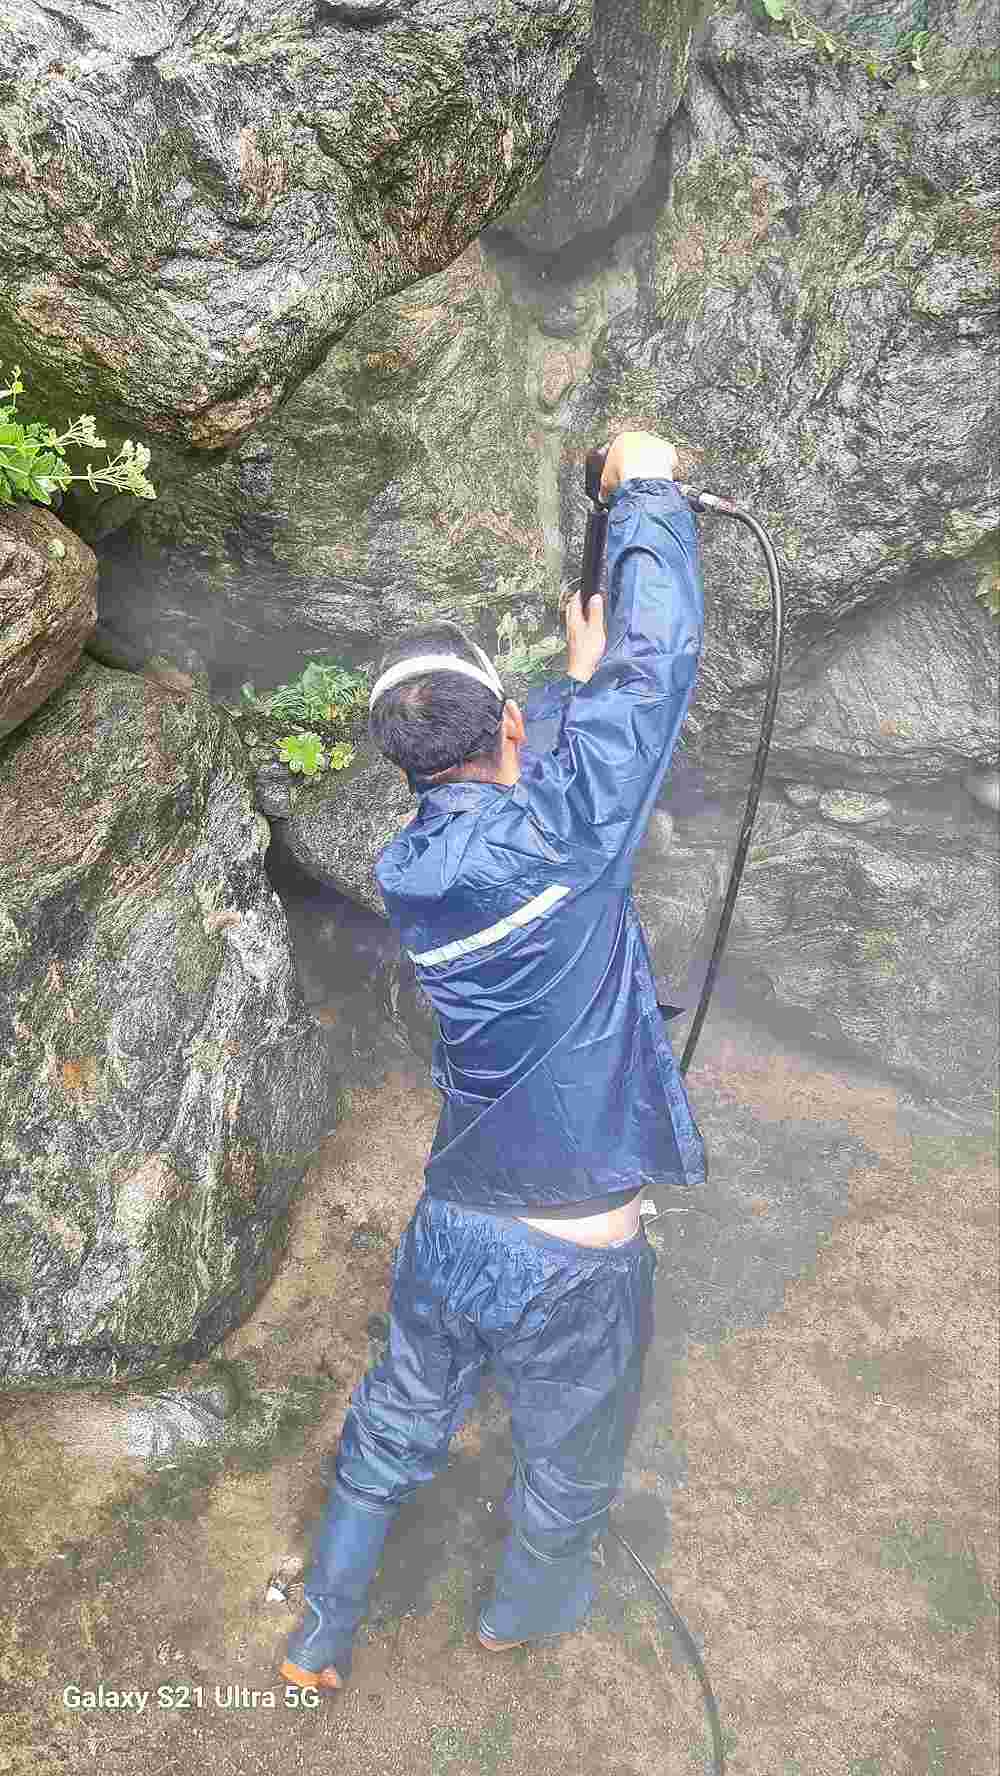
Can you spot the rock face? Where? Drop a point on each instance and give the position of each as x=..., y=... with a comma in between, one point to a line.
x=810, y=316
x=94, y=1427
x=624, y=91
x=414, y=474
x=871, y=921
x=886, y=934
x=819, y=332
x=373, y=805
x=869, y=904
x=48, y=607
x=162, y=1086
x=197, y=202
x=901, y=692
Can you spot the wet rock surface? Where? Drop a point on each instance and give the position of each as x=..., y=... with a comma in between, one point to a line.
x=372, y=803
x=359, y=983
x=610, y=128
x=413, y=475
x=901, y=693
x=138, y=1427
x=164, y=1086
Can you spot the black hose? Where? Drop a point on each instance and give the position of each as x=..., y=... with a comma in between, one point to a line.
x=589, y=578
x=714, y=503
x=711, y=1706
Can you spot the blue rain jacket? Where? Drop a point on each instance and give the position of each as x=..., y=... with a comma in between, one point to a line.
x=561, y=1093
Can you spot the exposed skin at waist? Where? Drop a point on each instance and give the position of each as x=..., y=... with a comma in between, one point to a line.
x=594, y=1230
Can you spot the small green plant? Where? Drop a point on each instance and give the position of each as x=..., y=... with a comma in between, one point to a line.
x=516, y=653
x=325, y=692
x=33, y=463
x=908, y=52
x=305, y=753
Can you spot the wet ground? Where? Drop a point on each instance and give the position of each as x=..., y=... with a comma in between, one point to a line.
x=813, y=1479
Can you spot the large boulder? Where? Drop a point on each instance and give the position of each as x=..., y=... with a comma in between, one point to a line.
x=163, y=1086
x=811, y=318
x=48, y=608
x=198, y=201
x=400, y=480
x=368, y=810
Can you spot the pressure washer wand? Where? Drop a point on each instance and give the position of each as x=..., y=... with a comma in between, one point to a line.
x=590, y=577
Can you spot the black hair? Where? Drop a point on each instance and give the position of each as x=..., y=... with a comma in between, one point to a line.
x=435, y=720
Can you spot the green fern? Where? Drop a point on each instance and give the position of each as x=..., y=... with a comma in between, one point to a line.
x=324, y=692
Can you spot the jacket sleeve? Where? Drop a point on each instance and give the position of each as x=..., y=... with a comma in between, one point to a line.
x=619, y=730
x=544, y=711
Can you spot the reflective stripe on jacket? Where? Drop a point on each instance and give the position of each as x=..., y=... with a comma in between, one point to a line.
x=560, y=1087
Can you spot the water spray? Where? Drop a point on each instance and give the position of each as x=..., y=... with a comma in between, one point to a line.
x=590, y=575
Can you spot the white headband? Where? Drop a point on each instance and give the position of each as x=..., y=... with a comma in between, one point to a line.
x=437, y=663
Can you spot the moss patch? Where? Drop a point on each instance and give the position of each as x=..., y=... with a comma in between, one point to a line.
x=957, y=1594
x=491, y=1747
x=944, y=1154
x=269, y=1426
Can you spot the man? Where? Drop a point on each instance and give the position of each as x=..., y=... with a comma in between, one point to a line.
x=511, y=890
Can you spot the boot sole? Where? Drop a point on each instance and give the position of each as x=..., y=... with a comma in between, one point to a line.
x=505, y=1646
x=498, y=1646
x=327, y=1679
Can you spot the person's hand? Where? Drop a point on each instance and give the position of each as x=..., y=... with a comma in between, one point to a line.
x=586, y=636
x=639, y=455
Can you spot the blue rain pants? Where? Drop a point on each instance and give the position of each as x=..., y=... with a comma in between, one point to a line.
x=566, y=1329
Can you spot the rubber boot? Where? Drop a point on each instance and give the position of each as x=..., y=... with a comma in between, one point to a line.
x=345, y=1559
x=536, y=1598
